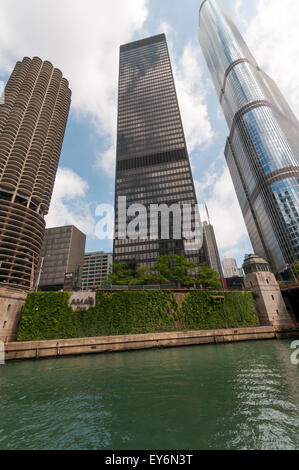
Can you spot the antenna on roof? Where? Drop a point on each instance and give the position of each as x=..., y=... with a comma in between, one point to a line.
x=208, y=214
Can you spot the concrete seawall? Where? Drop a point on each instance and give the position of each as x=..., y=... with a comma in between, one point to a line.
x=76, y=346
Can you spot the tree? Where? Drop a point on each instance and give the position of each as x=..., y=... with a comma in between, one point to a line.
x=143, y=271
x=121, y=276
x=175, y=268
x=207, y=277
x=145, y=276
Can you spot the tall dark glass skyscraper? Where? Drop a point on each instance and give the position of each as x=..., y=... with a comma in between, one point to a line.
x=152, y=165
x=262, y=150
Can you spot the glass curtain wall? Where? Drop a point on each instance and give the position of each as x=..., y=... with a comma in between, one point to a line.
x=152, y=165
x=262, y=150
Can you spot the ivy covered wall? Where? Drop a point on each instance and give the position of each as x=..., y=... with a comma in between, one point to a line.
x=47, y=315
x=206, y=310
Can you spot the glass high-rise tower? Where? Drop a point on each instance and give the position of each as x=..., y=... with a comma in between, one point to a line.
x=152, y=164
x=262, y=150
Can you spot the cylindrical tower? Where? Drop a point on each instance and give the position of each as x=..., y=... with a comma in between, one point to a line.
x=269, y=302
x=32, y=125
x=262, y=150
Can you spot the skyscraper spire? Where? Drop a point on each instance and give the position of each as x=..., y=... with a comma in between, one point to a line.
x=208, y=215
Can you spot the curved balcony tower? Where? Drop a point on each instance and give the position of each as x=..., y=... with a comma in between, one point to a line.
x=262, y=150
x=32, y=125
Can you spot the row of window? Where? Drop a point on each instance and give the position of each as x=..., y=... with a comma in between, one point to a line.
x=143, y=51
x=169, y=113
x=143, y=64
x=151, y=124
x=153, y=110
x=167, y=168
x=128, y=71
x=180, y=198
x=152, y=185
x=143, y=88
x=145, y=146
x=150, y=133
x=182, y=189
x=148, y=167
x=165, y=131
x=152, y=102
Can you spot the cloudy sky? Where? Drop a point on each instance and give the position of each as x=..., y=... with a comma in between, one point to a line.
x=82, y=38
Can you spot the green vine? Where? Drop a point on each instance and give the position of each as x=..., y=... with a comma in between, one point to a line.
x=214, y=310
x=49, y=315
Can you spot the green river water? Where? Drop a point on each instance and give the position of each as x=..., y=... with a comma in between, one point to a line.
x=233, y=396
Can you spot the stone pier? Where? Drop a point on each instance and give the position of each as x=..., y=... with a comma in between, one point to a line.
x=12, y=302
x=269, y=302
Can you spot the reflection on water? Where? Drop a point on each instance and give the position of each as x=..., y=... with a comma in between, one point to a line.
x=236, y=396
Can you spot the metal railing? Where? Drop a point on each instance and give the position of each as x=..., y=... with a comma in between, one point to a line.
x=142, y=287
x=162, y=287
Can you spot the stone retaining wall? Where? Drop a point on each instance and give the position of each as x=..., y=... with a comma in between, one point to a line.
x=66, y=347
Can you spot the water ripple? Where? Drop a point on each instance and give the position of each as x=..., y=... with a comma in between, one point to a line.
x=235, y=396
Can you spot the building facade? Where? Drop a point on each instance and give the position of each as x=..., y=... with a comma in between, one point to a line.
x=97, y=267
x=33, y=118
x=62, y=254
x=230, y=267
x=262, y=150
x=211, y=249
x=152, y=165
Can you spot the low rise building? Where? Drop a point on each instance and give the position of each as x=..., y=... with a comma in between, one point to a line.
x=96, y=269
x=62, y=254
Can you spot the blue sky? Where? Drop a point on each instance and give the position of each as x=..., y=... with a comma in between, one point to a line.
x=83, y=38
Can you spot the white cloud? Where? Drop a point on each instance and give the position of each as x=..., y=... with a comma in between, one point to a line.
x=82, y=38
x=238, y=5
x=106, y=161
x=217, y=190
x=192, y=95
x=68, y=206
x=2, y=86
x=165, y=27
x=233, y=253
x=272, y=36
